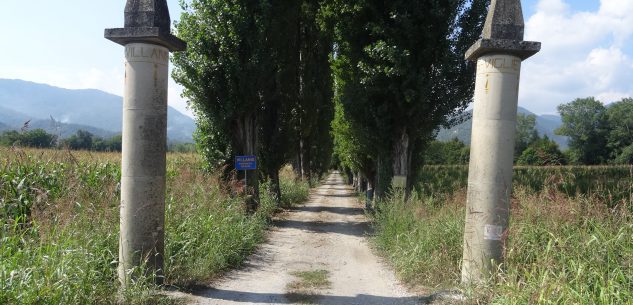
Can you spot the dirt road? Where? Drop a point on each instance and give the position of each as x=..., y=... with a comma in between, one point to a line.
x=317, y=253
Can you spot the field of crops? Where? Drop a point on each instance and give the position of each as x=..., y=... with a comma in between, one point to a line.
x=610, y=184
x=570, y=239
x=59, y=234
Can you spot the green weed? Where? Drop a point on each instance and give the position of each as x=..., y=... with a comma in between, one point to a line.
x=562, y=249
x=308, y=280
x=60, y=221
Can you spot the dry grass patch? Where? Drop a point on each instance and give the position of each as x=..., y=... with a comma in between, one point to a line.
x=309, y=280
x=304, y=289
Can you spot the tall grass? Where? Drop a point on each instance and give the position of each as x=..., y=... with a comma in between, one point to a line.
x=422, y=238
x=562, y=249
x=59, y=235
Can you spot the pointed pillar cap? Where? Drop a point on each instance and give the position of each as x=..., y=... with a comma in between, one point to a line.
x=503, y=32
x=146, y=21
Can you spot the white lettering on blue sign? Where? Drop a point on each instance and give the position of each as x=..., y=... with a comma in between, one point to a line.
x=245, y=163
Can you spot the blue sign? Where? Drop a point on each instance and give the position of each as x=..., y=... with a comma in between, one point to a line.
x=245, y=163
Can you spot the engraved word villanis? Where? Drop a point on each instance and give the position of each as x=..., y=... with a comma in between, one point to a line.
x=499, y=63
x=141, y=52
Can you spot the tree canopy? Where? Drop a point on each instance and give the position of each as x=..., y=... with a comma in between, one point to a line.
x=620, y=134
x=585, y=123
x=256, y=74
x=526, y=133
x=364, y=83
x=400, y=73
x=30, y=138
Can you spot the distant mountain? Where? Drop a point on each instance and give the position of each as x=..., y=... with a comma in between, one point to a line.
x=92, y=110
x=10, y=119
x=545, y=125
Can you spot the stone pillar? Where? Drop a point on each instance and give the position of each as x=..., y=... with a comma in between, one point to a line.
x=147, y=40
x=498, y=55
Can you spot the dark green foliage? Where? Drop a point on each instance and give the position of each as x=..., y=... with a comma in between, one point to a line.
x=31, y=138
x=212, y=144
x=315, y=110
x=530, y=149
x=585, y=123
x=526, y=133
x=441, y=179
x=400, y=73
x=114, y=143
x=84, y=140
x=257, y=74
x=38, y=138
x=10, y=137
x=542, y=151
x=81, y=140
x=276, y=125
x=625, y=156
x=350, y=144
x=453, y=152
x=182, y=147
x=620, y=136
x=228, y=75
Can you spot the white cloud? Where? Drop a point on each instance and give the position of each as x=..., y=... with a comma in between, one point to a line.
x=606, y=68
x=583, y=54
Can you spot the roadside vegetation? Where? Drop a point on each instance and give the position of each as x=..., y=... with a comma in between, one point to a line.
x=81, y=140
x=59, y=234
x=570, y=238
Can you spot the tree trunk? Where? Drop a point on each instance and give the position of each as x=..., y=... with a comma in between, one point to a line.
x=354, y=181
x=350, y=177
x=369, y=191
x=296, y=166
x=401, y=162
x=275, y=187
x=247, y=140
x=363, y=183
x=307, y=172
x=382, y=178
x=302, y=164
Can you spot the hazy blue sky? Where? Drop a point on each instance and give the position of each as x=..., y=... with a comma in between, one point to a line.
x=587, y=48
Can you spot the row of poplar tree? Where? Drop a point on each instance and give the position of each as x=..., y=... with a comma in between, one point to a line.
x=363, y=81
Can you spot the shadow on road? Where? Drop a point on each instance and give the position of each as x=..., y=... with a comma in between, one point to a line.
x=348, y=195
x=347, y=228
x=275, y=298
x=337, y=210
x=339, y=184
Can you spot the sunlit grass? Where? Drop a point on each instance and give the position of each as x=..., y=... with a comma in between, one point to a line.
x=561, y=249
x=60, y=222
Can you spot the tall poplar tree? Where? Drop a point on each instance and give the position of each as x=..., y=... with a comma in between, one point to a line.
x=257, y=75
x=404, y=73
x=225, y=71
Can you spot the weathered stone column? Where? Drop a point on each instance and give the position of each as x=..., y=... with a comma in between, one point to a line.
x=498, y=54
x=147, y=40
